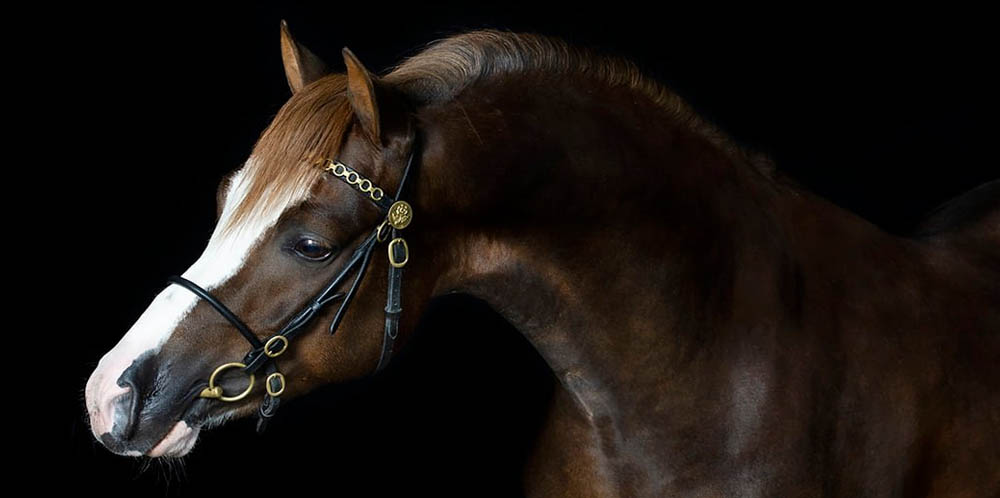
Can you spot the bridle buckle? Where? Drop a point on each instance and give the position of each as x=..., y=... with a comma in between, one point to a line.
x=398, y=242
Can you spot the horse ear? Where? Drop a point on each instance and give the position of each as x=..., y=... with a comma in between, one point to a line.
x=361, y=92
x=301, y=66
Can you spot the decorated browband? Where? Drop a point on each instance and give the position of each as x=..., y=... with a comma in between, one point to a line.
x=399, y=212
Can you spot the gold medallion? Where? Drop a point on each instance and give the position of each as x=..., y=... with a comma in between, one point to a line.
x=400, y=215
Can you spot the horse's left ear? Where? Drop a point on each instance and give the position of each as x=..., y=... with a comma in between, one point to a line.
x=372, y=101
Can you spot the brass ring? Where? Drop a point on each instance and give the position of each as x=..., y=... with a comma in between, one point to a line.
x=343, y=169
x=380, y=229
x=214, y=391
x=363, y=187
x=267, y=346
x=378, y=191
x=356, y=180
x=267, y=384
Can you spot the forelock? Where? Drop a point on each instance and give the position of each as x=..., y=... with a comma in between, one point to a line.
x=283, y=166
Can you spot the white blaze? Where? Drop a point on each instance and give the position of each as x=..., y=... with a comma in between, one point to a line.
x=222, y=258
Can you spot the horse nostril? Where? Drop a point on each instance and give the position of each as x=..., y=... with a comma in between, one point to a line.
x=126, y=412
x=127, y=407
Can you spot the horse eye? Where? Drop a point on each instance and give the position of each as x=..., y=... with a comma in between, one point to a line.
x=313, y=249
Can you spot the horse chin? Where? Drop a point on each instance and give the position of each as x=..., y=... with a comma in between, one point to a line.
x=178, y=441
x=182, y=436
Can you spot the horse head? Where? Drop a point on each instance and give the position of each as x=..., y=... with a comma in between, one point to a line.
x=296, y=229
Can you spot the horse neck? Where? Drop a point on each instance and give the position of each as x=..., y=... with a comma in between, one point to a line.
x=620, y=243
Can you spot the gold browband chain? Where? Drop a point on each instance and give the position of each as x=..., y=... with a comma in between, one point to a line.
x=352, y=177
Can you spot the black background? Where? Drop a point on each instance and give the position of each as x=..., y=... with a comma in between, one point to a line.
x=147, y=106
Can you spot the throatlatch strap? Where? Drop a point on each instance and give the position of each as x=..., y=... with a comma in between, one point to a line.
x=393, y=308
x=394, y=305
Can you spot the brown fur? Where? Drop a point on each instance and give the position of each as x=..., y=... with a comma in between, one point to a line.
x=716, y=331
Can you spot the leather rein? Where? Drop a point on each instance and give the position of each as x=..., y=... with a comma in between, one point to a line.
x=263, y=354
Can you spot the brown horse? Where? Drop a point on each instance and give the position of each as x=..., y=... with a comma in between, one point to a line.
x=715, y=330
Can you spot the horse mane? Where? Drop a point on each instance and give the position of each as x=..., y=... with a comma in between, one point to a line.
x=445, y=67
x=314, y=121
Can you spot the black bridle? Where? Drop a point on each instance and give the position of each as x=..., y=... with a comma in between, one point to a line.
x=263, y=353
